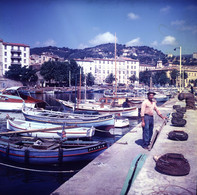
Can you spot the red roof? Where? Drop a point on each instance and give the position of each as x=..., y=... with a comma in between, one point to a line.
x=15, y=44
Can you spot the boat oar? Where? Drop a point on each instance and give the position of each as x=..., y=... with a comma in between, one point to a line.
x=36, y=130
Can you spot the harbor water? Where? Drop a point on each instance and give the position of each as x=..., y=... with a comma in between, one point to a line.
x=20, y=179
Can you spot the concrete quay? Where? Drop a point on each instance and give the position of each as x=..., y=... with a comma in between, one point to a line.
x=108, y=173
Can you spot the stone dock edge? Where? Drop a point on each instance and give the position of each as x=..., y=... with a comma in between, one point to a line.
x=108, y=173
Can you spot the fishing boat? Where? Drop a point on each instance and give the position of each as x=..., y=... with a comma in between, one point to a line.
x=47, y=151
x=161, y=98
x=104, y=122
x=25, y=95
x=121, y=122
x=47, y=130
x=100, y=107
x=12, y=103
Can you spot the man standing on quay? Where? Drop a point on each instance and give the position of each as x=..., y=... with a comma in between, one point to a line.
x=147, y=108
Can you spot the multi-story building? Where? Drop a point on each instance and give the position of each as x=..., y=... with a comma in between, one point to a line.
x=122, y=68
x=194, y=55
x=13, y=53
x=44, y=57
x=144, y=67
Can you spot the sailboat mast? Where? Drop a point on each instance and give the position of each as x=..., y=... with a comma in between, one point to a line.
x=80, y=88
x=115, y=69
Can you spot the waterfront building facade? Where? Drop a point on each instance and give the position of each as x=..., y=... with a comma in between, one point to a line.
x=101, y=68
x=13, y=53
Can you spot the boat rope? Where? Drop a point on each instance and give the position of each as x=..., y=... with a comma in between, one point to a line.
x=101, y=130
x=36, y=170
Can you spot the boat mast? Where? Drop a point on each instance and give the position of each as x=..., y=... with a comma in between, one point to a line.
x=115, y=69
x=80, y=88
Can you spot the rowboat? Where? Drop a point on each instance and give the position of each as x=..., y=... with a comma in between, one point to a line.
x=47, y=151
x=12, y=103
x=121, y=122
x=100, y=107
x=104, y=122
x=47, y=130
x=20, y=92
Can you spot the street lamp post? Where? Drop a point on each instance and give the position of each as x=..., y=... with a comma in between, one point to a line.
x=180, y=69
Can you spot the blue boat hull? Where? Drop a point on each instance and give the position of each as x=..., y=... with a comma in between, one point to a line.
x=58, y=156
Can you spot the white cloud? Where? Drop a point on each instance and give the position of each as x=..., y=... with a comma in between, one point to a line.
x=82, y=46
x=178, y=22
x=165, y=9
x=132, y=16
x=154, y=43
x=183, y=26
x=169, y=40
x=134, y=42
x=37, y=44
x=49, y=42
x=106, y=37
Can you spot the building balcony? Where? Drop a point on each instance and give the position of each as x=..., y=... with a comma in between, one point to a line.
x=15, y=51
x=16, y=57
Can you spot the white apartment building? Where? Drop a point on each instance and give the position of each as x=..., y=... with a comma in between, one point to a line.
x=101, y=68
x=13, y=53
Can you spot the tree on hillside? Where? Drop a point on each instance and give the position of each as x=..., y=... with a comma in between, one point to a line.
x=14, y=72
x=184, y=75
x=59, y=72
x=90, y=79
x=23, y=74
x=110, y=78
x=144, y=77
x=174, y=74
x=133, y=78
x=161, y=78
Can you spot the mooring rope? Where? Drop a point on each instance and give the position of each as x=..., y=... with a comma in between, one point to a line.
x=36, y=170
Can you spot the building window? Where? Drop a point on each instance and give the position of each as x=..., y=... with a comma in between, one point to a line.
x=24, y=48
x=5, y=59
x=25, y=61
x=6, y=66
x=24, y=54
x=5, y=46
x=5, y=53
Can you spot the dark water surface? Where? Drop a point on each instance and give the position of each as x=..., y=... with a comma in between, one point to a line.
x=45, y=179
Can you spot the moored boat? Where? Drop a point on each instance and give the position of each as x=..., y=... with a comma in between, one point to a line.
x=121, y=122
x=25, y=95
x=69, y=119
x=12, y=103
x=45, y=151
x=47, y=130
x=100, y=107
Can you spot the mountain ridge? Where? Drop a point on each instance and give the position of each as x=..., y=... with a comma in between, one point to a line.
x=144, y=54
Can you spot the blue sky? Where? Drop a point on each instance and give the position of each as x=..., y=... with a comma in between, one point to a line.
x=161, y=24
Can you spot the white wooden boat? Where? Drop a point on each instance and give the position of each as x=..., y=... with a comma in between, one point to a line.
x=24, y=94
x=161, y=97
x=104, y=122
x=47, y=130
x=99, y=107
x=13, y=103
x=121, y=122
